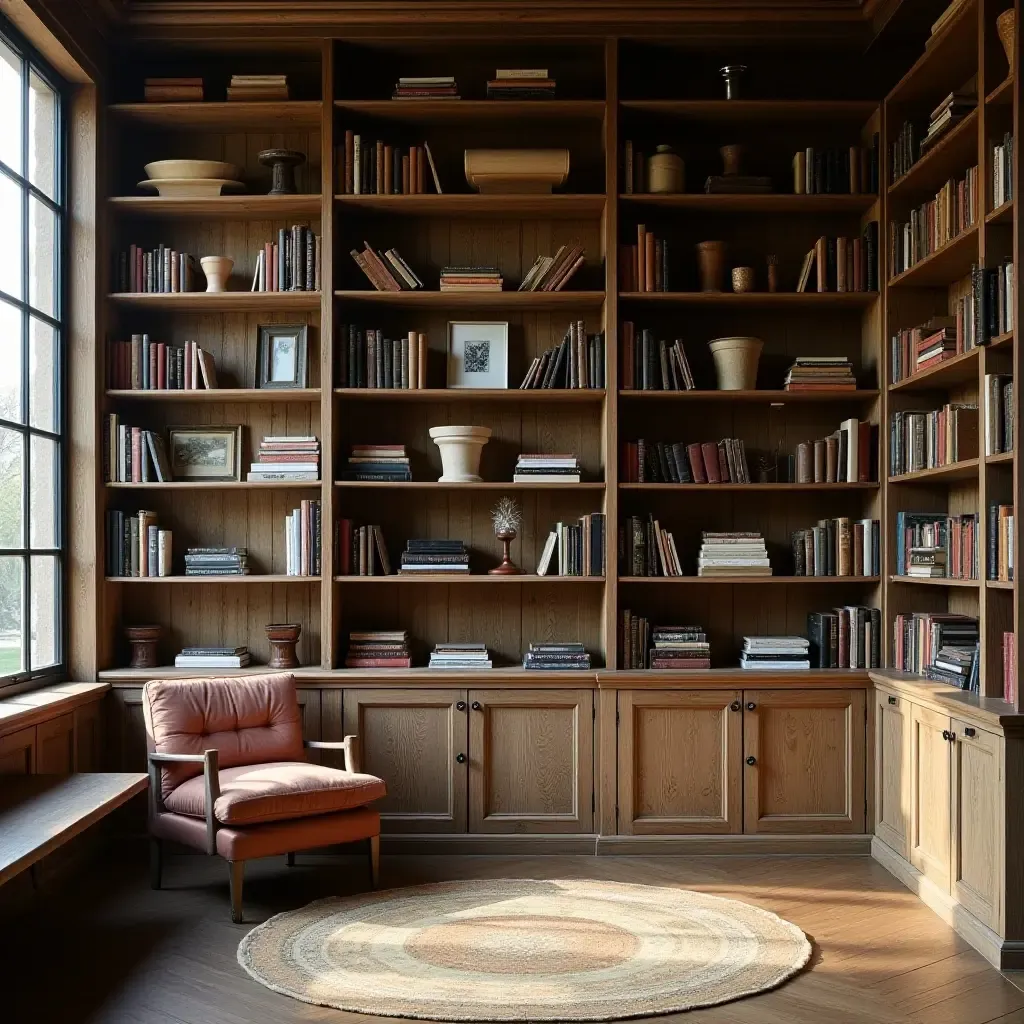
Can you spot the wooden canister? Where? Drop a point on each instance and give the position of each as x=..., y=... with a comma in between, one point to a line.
x=666, y=171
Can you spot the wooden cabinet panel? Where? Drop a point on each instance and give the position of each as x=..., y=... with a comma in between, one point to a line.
x=930, y=795
x=976, y=788
x=531, y=761
x=18, y=752
x=89, y=749
x=128, y=729
x=804, y=767
x=680, y=767
x=413, y=740
x=55, y=745
x=892, y=770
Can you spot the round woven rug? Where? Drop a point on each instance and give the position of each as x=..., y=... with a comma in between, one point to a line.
x=517, y=949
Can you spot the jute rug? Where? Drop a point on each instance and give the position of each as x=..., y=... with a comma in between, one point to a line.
x=516, y=949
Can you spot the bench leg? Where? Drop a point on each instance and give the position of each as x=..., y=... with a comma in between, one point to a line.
x=374, y=861
x=156, y=863
x=289, y=859
x=237, y=869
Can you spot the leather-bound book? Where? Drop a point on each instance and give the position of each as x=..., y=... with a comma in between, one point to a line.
x=709, y=449
x=650, y=263
x=641, y=264
x=805, y=462
x=820, y=462
x=695, y=454
x=831, y=458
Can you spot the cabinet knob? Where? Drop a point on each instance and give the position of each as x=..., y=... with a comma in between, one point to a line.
x=892, y=700
x=969, y=731
x=477, y=706
x=952, y=737
x=750, y=707
x=460, y=705
x=735, y=706
x=945, y=735
x=751, y=760
x=461, y=758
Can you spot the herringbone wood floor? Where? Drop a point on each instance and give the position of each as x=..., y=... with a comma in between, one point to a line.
x=108, y=949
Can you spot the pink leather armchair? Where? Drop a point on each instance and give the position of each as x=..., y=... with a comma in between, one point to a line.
x=228, y=774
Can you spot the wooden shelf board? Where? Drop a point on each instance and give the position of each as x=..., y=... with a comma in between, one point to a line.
x=927, y=581
x=479, y=485
x=1001, y=459
x=751, y=488
x=476, y=577
x=553, y=205
x=501, y=675
x=219, y=485
x=220, y=302
x=758, y=396
x=777, y=202
x=1002, y=94
x=1001, y=214
x=227, y=207
x=947, y=264
x=143, y=675
x=1001, y=339
x=954, y=152
x=428, y=299
x=959, y=703
x=202, y=580
x=732, y=677
x=449, y=111
x=733, y=111
x=541, y=396
x=755, y=300
x=283, y=115
x=205, y=395
x=966, y=469
x=1000, y=584
x=750, y=580
x=955, y=370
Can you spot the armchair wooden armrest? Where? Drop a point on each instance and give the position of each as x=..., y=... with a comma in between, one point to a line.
x=350, y=744
x=209, y=759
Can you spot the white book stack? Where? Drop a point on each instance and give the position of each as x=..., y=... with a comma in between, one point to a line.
x=460, y=656
x=775, y=652
x=212, y=657
x=733, y=554
x=283, y=458
x=551, y=469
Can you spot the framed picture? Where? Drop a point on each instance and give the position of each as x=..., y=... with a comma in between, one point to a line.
x=477, y=354
x=281, y=356
x=205, y=453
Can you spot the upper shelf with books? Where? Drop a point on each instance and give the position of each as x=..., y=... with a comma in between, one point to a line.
x=225, y=207
x=528, y=396
x=468, y=111
x=553, y=205
x=772, y=203
x=944, y=266
x=264, y=115
x=758, y=396
x=949, y=157
x=959, y=369
x=423, y=299
x=219, y=302
x=756, y=300
x=219, y=395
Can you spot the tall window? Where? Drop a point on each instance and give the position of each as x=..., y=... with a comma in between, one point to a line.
x=32, y=219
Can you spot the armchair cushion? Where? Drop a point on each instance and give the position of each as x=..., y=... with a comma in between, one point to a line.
x=258, y=793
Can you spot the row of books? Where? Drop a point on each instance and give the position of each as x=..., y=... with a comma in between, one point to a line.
x=136, y=545
x=675, y=462
x=999, y=416
x=653, y=365
x=820, y=373
x=849, y=170
x=928, y=439
x=1001, y=533
x=521, y=84
x=775, y=653
x=547, y=468
x=935, y=223
x=842, y=264
x=155, y=270
x=217, y=561
x=644, y=267
x=556, y=657
x=577, y=361
x=386, y=271
x=847, y=455
x=933, y=546
x=360, y=550
x=133, y=455
x=553, y=273
x=838, y=547
x=378, y=648
x=575, y=549
x=377, y=462
x=733, y=553
x=663, y=647
x=993, y=290
x=471, y=279
x=291, y=264
x=847, y=637
x=647, y=549
x=212, y=657
x=914, y=349
x=1002, y=171
x=366, y=167
x=303, y=530
x=918, y=637
x=369, y=360
x=294, y=458
x=142, y=364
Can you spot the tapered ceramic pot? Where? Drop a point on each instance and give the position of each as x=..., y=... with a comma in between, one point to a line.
x=217, y=270
x=461, y=448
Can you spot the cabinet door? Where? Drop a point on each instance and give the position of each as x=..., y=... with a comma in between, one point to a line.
x=18, y=752
x=804, y=769
x=976, y=785
x=128, y=726
x=413, y=740
x=89, y=751
x=892, y=770
x=930, y=795
x=680, y=762
x=531, y=761
x=55, y=745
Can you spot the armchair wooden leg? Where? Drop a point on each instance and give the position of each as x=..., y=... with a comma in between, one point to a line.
x=290, y=859
x=156, y=863
x=374, y=861
x=237, y=869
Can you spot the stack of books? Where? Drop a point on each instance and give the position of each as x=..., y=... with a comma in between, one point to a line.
x=998, y=413
x=173, y=90
x=934, y=546
x=653, y=365
x=737, y=184
x=679, y=647
x=295, y=459
x=360, y=549
x=775, y=653
x=136, y=546
x=578, y=548
x=1001, y=527
x=366, y=359
x=674, y=462
x=212, y=657
x=377, y=462
x=919, y=636
x=556, y=657
x=576, y=362
x=291, y=264
x=645, y=267
x=460, y=656
x=434, y=556
x=547, y=469
x=1002, y=171
x=918, y=348
x=926, y=440
x=646, y=549
x=951, y=111
x=156, y=270
x=733, y=553
x=230, y=561
x=145, y=365
x=849, y=637
x=302, y=533
x=378, y=648
x=258, y=87
x=821, y=373
x=958, y=666
x=838, y=547
x=521, y=84
x=428, y=87
x=471, y=279
x=553, y=273
x=133, y=455
x=386, y=271
x=374, y=167
x=1009, y=667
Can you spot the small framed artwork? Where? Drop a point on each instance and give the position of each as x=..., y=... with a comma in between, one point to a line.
x=477, y=354
x=281, y=356
x=205, y=453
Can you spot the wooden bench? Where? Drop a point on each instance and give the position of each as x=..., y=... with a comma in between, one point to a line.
x=40, y=813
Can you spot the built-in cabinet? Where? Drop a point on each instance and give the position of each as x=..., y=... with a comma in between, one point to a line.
x=71, y=741
x=892, y=770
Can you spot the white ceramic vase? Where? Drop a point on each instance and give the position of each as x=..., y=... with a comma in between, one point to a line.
x=461, y=448
x=736, y=362
x=217, y=270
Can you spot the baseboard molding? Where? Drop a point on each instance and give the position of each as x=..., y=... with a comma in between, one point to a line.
x=1003, y=954
x=716, y=846
x=494, y=845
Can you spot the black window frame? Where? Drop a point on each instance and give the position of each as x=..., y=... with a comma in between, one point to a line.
x=34, y=63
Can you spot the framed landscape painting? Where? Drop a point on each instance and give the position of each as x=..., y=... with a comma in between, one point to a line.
x=205, y=453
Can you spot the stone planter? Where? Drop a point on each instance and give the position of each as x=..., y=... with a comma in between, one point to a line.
x=461, y=448
x=217, y=270
x=736, y=362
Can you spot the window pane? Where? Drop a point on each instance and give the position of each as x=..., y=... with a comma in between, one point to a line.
x=45, y=618
x=42, y=252
x=43, y=496
x=10, y=364
x=42, y=135
x=12, y=459
x=10, y=108
x=11, y=644
x=11, y=234
x=42, y=375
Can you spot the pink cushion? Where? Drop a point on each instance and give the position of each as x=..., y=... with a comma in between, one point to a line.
x=258, y=793
x=249, y=720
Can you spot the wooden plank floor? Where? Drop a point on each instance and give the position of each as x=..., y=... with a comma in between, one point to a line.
x=108, y=949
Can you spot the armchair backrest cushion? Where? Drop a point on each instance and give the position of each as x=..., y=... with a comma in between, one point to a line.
x=249, y=720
